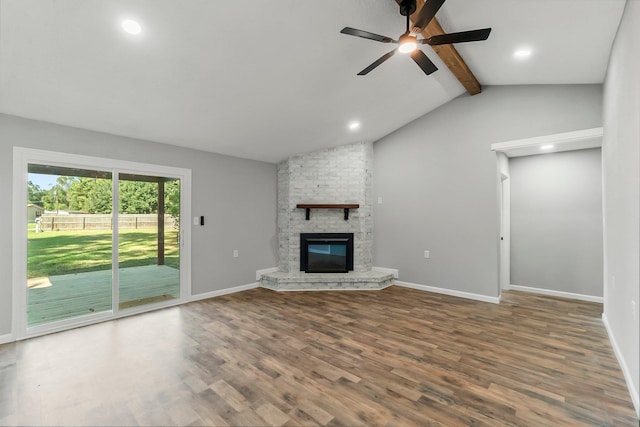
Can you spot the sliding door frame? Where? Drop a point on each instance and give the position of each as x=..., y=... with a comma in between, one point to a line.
x=22, y=157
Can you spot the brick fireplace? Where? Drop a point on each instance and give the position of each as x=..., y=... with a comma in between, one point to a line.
x=339, y=175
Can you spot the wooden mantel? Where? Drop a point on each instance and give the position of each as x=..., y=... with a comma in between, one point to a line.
x=309, y=206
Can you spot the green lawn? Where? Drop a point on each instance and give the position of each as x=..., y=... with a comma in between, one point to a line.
x=54, y=253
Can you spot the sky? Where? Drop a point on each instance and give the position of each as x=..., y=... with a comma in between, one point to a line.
x=43, y=181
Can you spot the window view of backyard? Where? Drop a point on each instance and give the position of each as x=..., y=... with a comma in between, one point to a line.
x=70, y=242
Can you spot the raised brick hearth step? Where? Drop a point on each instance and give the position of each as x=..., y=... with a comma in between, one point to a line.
x=300, y=281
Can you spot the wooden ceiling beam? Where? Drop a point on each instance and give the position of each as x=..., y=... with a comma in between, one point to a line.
x=449, y=54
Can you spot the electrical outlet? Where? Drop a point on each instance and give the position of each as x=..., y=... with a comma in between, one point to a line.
x=634, y=312
x=196, y=220
x=379, y=200
x=613, y=282
x=235, y=253
x=427, y=254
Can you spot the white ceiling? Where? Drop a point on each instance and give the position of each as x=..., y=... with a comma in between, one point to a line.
x=268, y=79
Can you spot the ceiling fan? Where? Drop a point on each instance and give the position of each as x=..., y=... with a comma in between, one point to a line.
x=408, y=41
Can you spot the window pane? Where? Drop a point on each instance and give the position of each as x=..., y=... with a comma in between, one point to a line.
x=69, y=248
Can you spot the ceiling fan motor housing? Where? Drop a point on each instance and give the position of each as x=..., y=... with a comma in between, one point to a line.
x=407, y=7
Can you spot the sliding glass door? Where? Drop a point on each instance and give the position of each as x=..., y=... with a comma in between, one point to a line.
x=101, y=241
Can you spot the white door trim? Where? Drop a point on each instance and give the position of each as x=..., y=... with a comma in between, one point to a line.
x=505, y=232
x=566, y=141
x=21, y=158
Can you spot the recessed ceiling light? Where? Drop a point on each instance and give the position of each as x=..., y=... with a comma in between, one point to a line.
x=522, y=53
x=546, y=147
x=354, y=125
x=131, y=26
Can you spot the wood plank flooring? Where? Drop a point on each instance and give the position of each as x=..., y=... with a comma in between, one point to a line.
x=392, y=357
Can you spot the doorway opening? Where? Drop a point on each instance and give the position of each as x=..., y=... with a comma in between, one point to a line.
x=543, y=256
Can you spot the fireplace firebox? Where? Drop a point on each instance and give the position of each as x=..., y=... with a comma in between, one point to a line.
x=326, y=252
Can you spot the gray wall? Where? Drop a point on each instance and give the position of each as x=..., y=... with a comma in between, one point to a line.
x=236, y=196
x=556, y=221
x=621, y=193
x=437, y=178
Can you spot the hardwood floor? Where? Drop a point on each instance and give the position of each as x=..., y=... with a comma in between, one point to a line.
x=392, y=357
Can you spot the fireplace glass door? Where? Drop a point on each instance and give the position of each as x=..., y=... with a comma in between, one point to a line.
x=326, y=252
x=327, y=257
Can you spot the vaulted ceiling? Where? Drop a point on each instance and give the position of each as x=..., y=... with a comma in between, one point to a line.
x=268, y=79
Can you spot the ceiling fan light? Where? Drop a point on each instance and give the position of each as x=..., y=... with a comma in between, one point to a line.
x=407, y=44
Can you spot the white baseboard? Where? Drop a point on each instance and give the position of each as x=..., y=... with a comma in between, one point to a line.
x=259, y=273
x=623, y=365
x=553, y=293
x=393, y=271
x=6, y=338
x=221, y=292
x=453, y=293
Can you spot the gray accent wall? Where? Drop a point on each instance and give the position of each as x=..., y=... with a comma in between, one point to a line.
x=621, y=196
x=438, y=180
x=556, y=221
x=236, y=196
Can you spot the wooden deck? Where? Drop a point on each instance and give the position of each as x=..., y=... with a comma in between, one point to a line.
x=71, y=295
x=395, y=357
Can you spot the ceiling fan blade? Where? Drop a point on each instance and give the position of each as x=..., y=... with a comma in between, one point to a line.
x=427, y=13
x=461, y=37
x=377, y=62
x=423, y=62
x=367, y=35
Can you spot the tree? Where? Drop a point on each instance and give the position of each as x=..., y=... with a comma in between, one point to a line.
x=90, y=195
x=77, y=195
x=137, y=197
x=172, y=197
x=172, y=200
x=94, y=195
x=48, y=200
x=98, y=197
x=55, y=198
x=35, y=193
